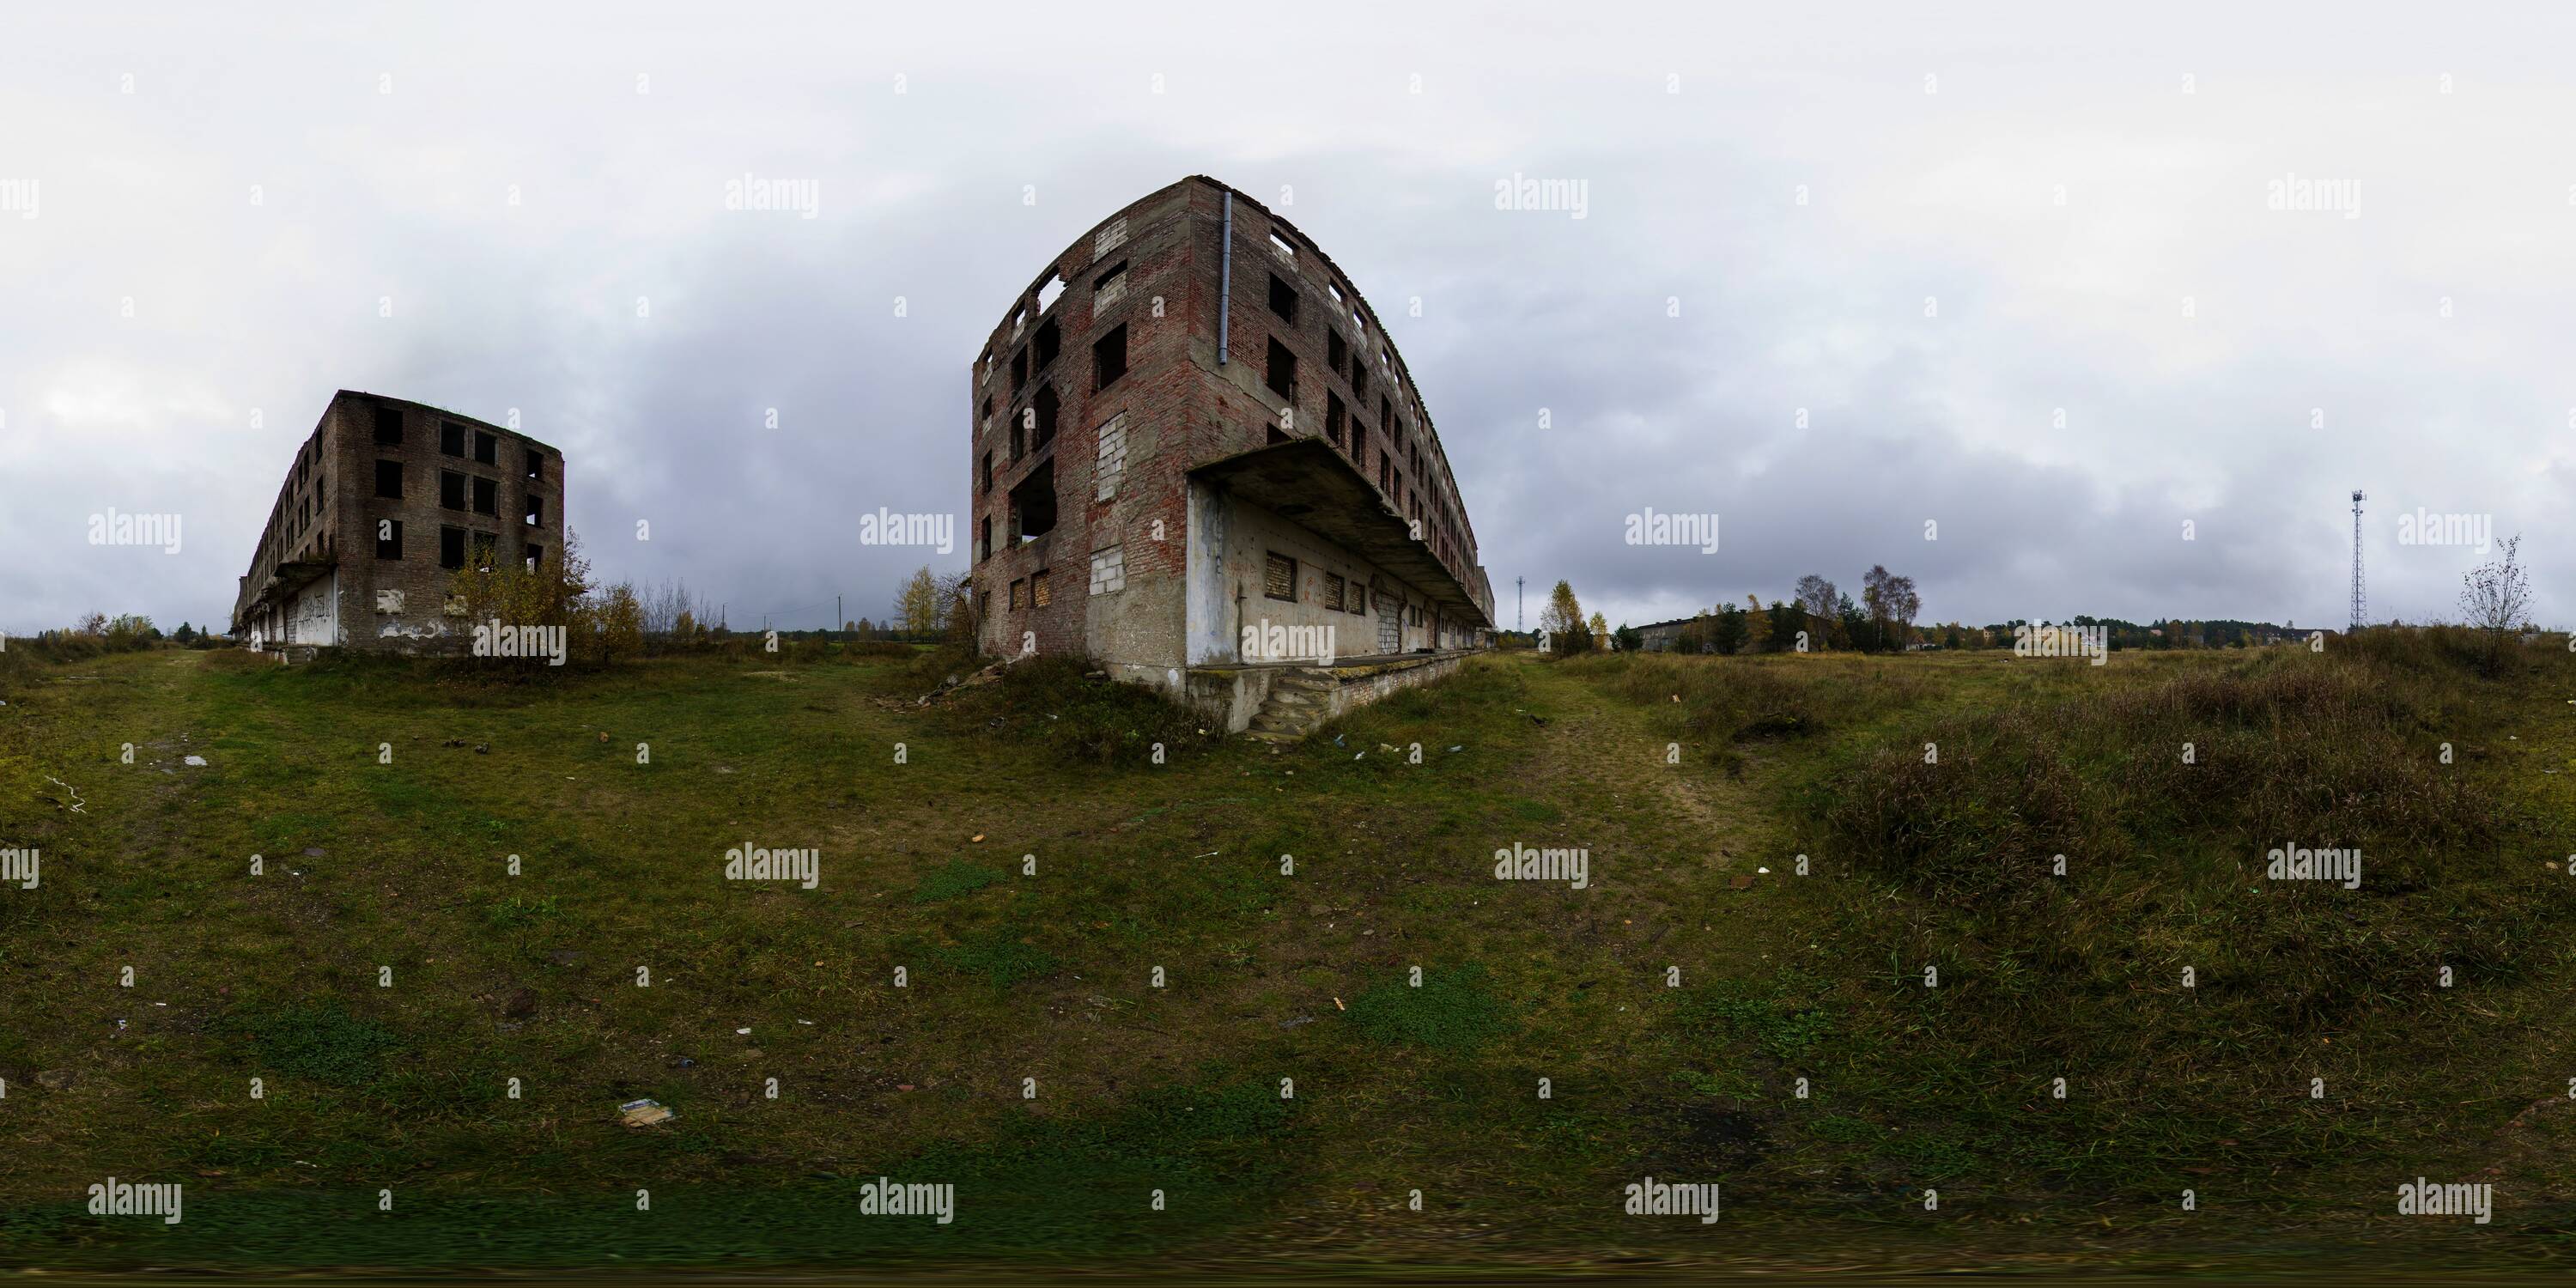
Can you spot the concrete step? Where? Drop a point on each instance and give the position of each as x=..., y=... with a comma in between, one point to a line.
x=1266, y=735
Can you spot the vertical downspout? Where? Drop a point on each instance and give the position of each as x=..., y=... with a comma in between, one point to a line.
x=1224, y=277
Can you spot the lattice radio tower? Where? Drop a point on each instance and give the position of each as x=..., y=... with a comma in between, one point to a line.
x=2356, y=558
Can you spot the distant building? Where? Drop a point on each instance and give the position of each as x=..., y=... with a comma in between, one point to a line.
x=1662, y=637
x=384, y=500
x=1198, y=460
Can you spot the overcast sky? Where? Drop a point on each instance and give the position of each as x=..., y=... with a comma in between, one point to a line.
x=2021, y=269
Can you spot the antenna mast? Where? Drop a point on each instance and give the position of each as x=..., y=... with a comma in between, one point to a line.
x=2356, y=558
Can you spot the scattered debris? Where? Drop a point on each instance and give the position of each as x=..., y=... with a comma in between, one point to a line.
x=75, y=804
x=1292, y=1023
x=645, y=1113
x=1460, y=747
x=1337, y=1005
x=1540, y=721
x=741, y=1032
x=198, y=761
x=482, y=749
x=313, y=851
x=1740, y=881
x=978, y=836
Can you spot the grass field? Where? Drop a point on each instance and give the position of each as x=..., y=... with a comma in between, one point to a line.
x=1288, y=1088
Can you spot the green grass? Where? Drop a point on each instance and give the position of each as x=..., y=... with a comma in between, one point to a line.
x=1157, y=981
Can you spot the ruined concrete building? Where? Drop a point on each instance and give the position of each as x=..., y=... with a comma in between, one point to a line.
x=383, y=502
x=1199, y=460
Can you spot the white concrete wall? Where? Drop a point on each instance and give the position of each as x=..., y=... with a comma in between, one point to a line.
x=1230, y=544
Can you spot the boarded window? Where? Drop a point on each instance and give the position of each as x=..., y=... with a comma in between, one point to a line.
x=1111, y=236
x=1038, y=588
x=1333, y=591
x=1108, y=288
x=1279, y=579
x=1108, y=571
x=1113, y=456
x=1019, y=594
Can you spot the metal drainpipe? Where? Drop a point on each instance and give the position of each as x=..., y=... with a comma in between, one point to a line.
x=1224, y=277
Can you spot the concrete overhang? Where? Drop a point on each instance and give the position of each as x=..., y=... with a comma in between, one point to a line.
x=288, y=578
x=1309, y=482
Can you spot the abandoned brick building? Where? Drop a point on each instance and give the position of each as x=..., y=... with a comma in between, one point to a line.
x=1199, y=460
x=385, y=499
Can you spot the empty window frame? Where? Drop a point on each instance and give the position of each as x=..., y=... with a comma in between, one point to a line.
x=1050, y=290
x=1033, y=504
x=1335, y=417
x=487, y=449
x=1281, y=246
x=389, y=480
x=1042, y=412
x=389, y=538
x=487, y=497
x=536, y=516
x=451, y=548
x=1283, y=299
x=1049, y=341
x=1281, y=373
x=451, y=438
x=451, y=490
x=389, y=427
x=1109, y=357
x=1336, y=351
x=536, y=466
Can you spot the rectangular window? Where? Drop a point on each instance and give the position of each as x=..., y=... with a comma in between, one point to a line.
x=483, y=547
x=984, y=547
x=987, y=473
x=389, y=427
x=536, y=466
x=487, y=449
x=1279, y=579
x=1285, y=251
x=1038, y=596
x=389, y=538
x=536, y=517
x=451, y=438
x=389, y=480
x=1019, y=594
x=1359, y=444
x=1334, y=415
x=1335, y=351
x=1108, y=288
x=1113, y=457
x=1108, y=571
x=1109, y=358
x=535, y=557
x=1110, y=237
x=1358, y=600
x=451, y=548
x=1283, y=299
x=1359, y=386
x=486, y=496
x=1333, y=591
x=1282, y=373
x=451, y=489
